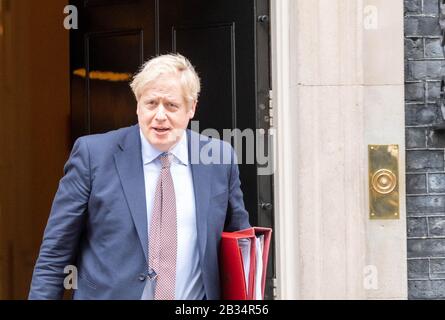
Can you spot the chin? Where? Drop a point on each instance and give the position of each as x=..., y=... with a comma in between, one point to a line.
x=162, y=145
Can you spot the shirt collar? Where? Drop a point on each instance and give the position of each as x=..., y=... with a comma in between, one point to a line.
x=179, y=151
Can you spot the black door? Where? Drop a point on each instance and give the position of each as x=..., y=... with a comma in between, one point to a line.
x=226, y=40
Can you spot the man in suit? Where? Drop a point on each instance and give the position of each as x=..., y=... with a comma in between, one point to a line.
x=133, y=213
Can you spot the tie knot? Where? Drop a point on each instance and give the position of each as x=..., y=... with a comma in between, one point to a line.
x=165, y=160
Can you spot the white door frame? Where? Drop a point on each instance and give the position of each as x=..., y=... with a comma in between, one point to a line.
x=286, y=238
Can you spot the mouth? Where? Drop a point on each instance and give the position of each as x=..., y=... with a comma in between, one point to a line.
x=161, y=130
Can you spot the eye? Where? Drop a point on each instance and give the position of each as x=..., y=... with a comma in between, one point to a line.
x=150, y=103
x=172, y=105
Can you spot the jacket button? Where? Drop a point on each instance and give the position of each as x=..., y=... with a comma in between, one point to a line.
x=142, y=277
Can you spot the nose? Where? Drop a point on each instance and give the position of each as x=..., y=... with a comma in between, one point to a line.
x=160, y=114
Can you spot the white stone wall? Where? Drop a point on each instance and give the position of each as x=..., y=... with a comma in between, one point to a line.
x=338, y=86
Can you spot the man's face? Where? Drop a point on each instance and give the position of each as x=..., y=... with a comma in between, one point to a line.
x=163, y=112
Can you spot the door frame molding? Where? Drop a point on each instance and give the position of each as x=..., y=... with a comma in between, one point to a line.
x=285, y=186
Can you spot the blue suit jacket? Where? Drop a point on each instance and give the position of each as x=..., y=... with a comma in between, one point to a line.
x=98, y=220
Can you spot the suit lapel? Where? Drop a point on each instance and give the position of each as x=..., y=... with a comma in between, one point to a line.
x=131, y=173
x=201, y=179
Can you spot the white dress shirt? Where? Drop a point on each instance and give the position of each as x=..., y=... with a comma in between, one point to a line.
x=189, y=284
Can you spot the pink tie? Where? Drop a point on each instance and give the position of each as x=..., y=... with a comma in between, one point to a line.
x=162, y=245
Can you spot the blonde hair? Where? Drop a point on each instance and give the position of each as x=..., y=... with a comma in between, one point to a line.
x=168, y=64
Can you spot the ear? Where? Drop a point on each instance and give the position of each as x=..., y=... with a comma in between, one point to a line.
x=137, y=108
x=192, y=109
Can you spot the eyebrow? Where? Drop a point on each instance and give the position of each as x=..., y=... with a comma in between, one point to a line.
x=172, y=100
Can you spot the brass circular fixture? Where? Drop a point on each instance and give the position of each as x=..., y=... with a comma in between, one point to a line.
x=384, y=181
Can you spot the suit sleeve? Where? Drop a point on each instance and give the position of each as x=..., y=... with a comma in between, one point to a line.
x=238, y=217
x=65, y=224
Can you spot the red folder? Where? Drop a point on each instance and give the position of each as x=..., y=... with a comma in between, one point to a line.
x=233, y=280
